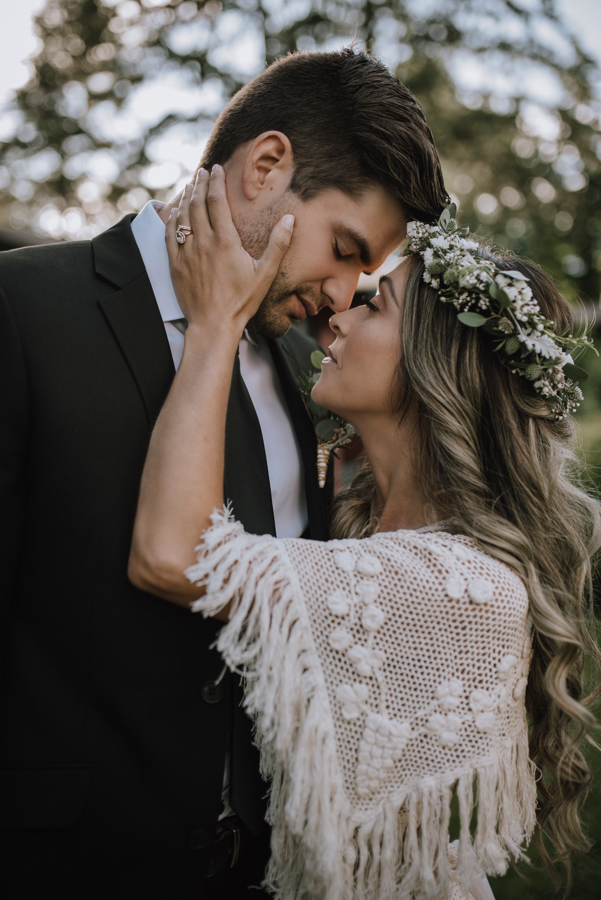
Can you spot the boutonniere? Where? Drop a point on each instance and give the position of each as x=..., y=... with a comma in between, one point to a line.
x=331, y=430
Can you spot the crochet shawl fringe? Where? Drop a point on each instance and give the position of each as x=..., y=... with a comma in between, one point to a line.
x=322, y=849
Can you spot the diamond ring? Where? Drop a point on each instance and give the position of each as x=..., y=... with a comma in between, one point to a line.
x=182, y=233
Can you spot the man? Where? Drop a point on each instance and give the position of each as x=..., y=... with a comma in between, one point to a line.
x=118, y=722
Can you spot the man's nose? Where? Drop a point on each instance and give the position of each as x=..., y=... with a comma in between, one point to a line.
x=340, y=290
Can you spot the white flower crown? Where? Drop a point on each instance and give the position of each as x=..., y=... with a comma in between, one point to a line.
x=502, y=302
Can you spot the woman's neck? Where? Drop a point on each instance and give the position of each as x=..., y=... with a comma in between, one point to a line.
x=391, y=450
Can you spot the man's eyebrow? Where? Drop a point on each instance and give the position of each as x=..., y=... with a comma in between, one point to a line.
x=360, y=243
x=388, y=282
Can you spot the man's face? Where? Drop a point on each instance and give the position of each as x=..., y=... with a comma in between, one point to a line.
x=335, y=238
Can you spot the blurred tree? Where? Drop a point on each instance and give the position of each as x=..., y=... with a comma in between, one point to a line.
x=124, y=94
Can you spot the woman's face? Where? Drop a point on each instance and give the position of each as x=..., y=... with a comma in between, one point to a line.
x=357, y=376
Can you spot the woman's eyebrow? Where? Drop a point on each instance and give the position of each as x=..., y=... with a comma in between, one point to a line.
x=385, y=280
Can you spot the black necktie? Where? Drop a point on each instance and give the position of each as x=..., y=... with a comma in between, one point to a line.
x=247, y=488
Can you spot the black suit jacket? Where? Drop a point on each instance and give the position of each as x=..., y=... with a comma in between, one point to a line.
x=107, y=747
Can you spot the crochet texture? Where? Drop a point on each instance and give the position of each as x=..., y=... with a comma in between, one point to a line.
x=383, y=675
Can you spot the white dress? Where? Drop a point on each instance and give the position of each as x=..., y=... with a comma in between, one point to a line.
x=383, y=675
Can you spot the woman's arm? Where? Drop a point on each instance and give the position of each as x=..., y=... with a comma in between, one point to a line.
x=219, y=287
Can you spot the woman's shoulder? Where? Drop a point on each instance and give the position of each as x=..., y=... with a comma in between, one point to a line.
x=434, y=562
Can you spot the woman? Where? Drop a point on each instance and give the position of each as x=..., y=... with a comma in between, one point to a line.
x=393, y=666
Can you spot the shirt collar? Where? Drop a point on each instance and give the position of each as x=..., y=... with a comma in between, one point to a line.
x=149, y=233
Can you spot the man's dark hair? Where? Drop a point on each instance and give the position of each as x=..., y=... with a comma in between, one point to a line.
x=351, y=125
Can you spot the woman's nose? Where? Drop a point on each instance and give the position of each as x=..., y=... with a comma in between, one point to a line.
x=338, y=322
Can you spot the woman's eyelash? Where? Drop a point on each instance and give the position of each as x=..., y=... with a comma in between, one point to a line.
x=371, y=305
x=337, y=252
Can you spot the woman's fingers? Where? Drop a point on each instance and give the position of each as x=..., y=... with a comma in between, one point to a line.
x=218, y=207
x=199, y=216
x=183, y=214
x=279, y=241
x=170, y=230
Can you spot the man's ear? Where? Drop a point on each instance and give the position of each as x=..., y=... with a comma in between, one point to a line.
x=268, y=165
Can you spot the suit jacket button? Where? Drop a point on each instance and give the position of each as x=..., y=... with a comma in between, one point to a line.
x=211, y=692
x=200, y=839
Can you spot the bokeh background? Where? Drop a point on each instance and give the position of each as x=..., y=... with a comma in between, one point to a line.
x=105, y=104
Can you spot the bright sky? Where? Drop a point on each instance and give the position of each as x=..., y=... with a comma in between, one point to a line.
x=18, y=42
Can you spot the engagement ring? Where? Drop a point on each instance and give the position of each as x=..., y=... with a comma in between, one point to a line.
x=182, y=233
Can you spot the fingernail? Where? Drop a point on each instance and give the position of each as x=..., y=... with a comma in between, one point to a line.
x=173, y=212
x=216, y=169
x=288, y=222
x=187, y=188
x=201, y=173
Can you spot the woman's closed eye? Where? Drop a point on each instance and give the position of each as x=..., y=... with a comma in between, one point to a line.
x=372, y=306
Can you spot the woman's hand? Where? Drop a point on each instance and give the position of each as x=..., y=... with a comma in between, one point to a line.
x=217, y=283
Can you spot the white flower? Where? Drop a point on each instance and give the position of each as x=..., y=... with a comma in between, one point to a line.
x=344, y=560
x=455, y=587
x=340, y=639
x=480, y=701
x=368, y=591
x=441, y=242
x=506, y=667
x=480, y=590
x=366, y=661
x=338, y=604
x=485, y=722
x=373, y=617
x=353, y=698
x=369, y=566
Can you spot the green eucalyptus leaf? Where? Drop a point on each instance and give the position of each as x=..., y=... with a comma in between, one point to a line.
x=499, y=295
x=474, y=320
x=316, y=358
x=316, y=409
x=575, y=373
x=445, y=216
x=325, y=430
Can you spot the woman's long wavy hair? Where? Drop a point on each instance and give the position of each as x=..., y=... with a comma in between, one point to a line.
x=491, y=455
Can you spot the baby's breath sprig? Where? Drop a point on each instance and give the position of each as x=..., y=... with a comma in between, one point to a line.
x=331, y=430
x=503, y=304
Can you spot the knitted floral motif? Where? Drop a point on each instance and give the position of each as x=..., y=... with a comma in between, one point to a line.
x=445, y=727
x=381, y=745
x=369, y=566
x=507, y=666
x=373, y=617
x=455, y=587
x=366, y=661
x=480, y=590
x=368, y=591
x=345, y=561
x=449, y=694
x=338, y=603
x=340, y=639
x=353, y=699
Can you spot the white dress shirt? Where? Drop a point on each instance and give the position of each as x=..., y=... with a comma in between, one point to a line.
x=284, y=461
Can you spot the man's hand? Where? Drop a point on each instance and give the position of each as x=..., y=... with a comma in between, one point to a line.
x=217, y=283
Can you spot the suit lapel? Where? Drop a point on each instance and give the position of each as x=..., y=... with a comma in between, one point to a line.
x=286, y=366
x=134, y=316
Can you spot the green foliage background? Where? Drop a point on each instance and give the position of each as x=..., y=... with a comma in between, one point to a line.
x=525, y=171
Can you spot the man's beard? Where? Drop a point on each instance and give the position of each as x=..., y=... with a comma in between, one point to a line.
x=270, y=320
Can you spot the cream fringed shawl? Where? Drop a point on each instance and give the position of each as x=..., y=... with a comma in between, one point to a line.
x=382, y=674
